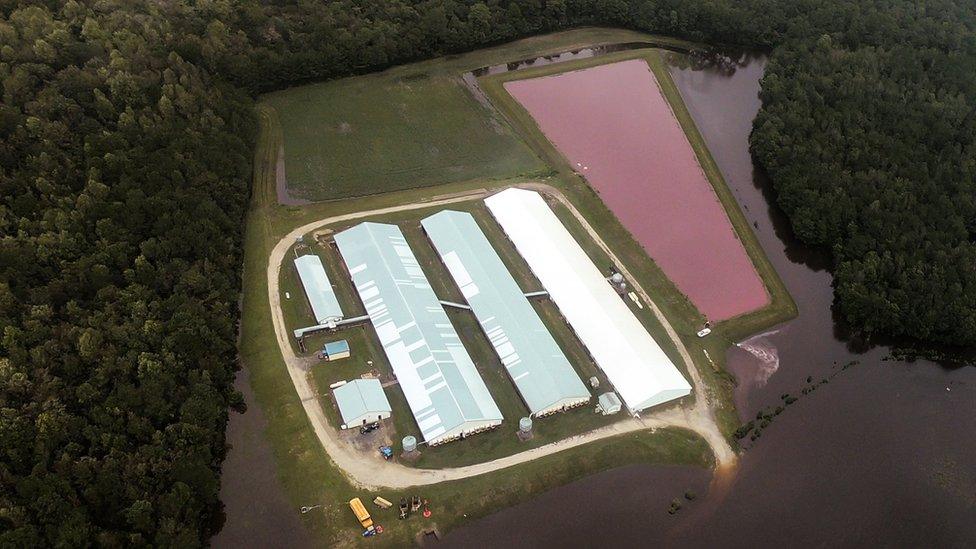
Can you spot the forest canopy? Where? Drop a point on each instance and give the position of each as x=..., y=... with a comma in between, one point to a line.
x=126, y=130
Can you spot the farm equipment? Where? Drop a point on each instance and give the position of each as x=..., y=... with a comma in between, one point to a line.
x=382, y=503
x=368, y=428
x=403, y=508
x=386, y=452
x=414, y=504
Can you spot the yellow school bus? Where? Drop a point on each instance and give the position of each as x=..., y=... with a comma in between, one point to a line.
x=361, y=513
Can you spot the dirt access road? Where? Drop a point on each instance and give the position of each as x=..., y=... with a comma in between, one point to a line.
x=376, y=473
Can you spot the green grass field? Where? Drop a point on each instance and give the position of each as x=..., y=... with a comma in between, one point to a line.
x=398, y=129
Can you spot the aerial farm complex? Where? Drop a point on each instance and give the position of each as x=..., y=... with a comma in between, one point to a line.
x=429, y=359
x=556, y=287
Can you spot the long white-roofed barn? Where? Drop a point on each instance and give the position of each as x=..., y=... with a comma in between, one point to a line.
x=635, y=364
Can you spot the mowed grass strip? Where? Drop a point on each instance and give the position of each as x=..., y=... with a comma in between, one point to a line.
x=403, y=128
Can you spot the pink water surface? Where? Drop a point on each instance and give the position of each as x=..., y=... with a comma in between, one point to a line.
x=617, y=129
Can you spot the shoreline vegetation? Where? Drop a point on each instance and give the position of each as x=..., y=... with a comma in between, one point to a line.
x=271, y=219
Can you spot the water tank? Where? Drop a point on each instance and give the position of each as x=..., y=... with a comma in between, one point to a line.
x=409, y=443
x=617, y=278
x=525, y=424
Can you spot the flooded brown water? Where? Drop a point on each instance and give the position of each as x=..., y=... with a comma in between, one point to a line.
x=257, y=513
x=614, y=125
x=883, y=455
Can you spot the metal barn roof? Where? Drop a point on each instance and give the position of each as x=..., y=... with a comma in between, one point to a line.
x=318, y=289
x=446, y=394
x=335, y=347
x=536, y=364
x=359, y=398
x=639, y=369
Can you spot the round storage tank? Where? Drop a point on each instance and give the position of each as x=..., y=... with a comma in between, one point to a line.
x=525, y=424
x=409, y=443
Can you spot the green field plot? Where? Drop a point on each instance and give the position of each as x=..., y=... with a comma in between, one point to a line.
x=403, y=128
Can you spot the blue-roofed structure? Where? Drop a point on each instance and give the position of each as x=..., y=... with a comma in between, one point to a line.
x=334, y=350
x=318, y=289
x=361, y=401
x=443, y=388
x=541, y=372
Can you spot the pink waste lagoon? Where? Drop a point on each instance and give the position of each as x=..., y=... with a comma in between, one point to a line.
x=616, y=128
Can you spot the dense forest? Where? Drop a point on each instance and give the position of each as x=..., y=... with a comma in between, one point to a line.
x=126, y=131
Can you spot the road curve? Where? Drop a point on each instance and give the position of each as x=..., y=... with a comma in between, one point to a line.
x=376, y=473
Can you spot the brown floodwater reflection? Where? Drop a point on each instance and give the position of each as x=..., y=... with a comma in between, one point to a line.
x=614, y=125
x=883, y=455
x=256, y=511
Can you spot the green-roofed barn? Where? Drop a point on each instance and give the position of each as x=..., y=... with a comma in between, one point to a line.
x=445, y=392
x=318, y=289
x=541, y=372
x=361, y=401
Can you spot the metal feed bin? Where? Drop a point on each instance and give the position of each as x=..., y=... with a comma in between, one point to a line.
x=409, y=443
x=525, y=424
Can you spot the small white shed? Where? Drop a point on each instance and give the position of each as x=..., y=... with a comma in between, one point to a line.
x=361, y=402
x=609, y=403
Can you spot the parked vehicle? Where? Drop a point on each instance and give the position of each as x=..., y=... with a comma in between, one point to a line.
x=386, y=452
x=362, y=515
x=369, y=428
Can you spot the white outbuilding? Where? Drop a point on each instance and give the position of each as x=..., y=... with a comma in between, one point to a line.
x=361, y=402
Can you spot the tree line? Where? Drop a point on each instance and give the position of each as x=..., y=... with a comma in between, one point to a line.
x=126, y=132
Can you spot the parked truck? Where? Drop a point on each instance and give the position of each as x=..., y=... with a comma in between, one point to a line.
x=362, y=515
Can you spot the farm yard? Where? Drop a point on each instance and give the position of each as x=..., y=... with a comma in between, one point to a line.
x=299, y=449
x=484, y=446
